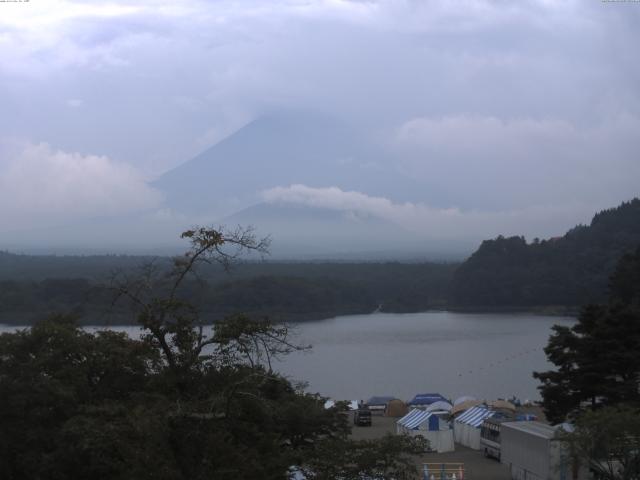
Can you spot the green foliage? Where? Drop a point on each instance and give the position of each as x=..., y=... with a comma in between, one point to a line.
x=505, y=272
x=184, y=402
x=597, y=359
x=625, y=281
x=288, y=291
x=80, y=405
x=569, y=271
x=608, y=442
x=54, y=374
x=389, y=457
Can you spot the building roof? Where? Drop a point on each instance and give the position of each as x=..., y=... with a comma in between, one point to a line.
x=499, y=420
x=533, y=428
x=426, y=399
x=475, y=416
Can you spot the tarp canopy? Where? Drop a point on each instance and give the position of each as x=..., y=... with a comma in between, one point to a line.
x=503, y=404
x=426, y=399
x=475, y=416
x=440, y=405
x=396, y=408
x=466, y=405
x=380, y=400
x=463, y=398
x=415, y=418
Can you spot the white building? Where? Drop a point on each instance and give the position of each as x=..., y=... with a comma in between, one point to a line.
x=532, y=451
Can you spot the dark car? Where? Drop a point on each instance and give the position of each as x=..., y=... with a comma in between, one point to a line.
x=362, y=417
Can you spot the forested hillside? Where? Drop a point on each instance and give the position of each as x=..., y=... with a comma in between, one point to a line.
x=33, y=286
x=566, y=271
x=503, y=273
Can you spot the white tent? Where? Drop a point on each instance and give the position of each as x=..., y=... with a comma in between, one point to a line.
x=428, y=425
x=466, y=427
x=439, y=406
x=351, y=404
x=464, y=398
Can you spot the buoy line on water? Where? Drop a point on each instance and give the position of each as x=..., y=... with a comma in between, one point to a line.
x=501, y=361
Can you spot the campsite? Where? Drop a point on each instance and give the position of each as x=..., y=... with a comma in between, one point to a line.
x=457, y=432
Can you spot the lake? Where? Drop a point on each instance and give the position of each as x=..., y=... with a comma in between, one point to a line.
x=354, y=357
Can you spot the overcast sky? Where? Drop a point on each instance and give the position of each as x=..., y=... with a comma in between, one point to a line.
x=500, y=107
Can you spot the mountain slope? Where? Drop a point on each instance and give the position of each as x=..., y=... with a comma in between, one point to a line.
x=570, y=270
x=298, y=230
x=277, y=150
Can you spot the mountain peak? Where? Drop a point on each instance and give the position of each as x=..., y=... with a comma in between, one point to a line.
x=278, y=149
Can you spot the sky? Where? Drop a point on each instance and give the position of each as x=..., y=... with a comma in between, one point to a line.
x=515, y=115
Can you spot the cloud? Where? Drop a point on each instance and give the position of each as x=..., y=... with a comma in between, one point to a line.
x=374, y=61
x=525, y=161
x=488, y=105
x=334, y=198
x=42, y=186
x=435, y=223
x=466, y=134
x=75, y=103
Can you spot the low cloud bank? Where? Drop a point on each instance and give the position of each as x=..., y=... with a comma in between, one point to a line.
x=435, y=222
x=41, y=186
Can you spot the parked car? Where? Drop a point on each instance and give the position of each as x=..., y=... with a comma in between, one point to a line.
x=362, y=417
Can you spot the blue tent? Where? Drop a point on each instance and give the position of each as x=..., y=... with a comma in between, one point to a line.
x=424, y=399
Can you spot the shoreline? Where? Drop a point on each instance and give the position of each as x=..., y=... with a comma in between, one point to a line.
x=118, y=319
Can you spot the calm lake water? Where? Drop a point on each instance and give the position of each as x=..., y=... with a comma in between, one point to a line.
x=357, y=356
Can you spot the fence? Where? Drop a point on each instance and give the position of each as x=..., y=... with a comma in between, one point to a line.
x=443, y=471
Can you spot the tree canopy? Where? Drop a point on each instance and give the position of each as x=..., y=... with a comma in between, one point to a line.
x=185, y=401
x=570, y=270
x=607, y=441
x=598, y=358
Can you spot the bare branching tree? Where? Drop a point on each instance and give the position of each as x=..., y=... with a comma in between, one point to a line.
x=176, y=327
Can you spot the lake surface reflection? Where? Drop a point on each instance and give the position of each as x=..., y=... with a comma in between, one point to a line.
x=484, y=355
x=357, y=356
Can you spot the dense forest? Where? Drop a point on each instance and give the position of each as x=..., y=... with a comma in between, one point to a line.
x=565, y=271
x=285, y=291
x=505, y=273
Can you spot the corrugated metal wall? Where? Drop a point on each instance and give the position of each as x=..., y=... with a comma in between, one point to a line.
x=527, y=455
